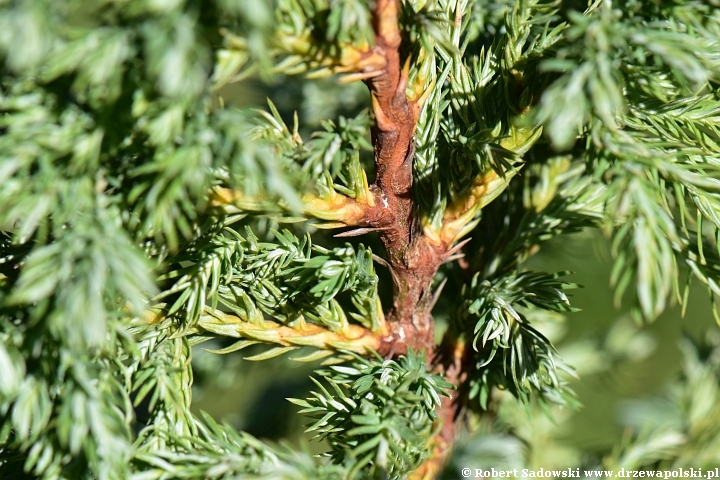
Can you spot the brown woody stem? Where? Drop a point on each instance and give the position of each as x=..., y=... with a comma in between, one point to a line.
x=450, y=359
x=413, y=257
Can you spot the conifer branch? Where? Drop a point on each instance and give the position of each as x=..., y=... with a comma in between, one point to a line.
x=126, y=183
x=335, y=207
x=353, y=338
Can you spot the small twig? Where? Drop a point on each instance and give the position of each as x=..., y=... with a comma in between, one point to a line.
x=382, y=261
x=452, y=254
x=359, y=231
x=387, y=265
x=354, y=77
x=436, y=295
x=452, y=258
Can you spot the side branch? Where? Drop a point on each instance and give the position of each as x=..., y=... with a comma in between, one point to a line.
x=353, y=338
x=334, y=207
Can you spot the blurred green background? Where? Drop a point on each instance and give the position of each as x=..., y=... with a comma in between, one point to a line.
x=617, y=359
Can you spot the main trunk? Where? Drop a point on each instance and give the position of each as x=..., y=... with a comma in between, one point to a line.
x=412, y=257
